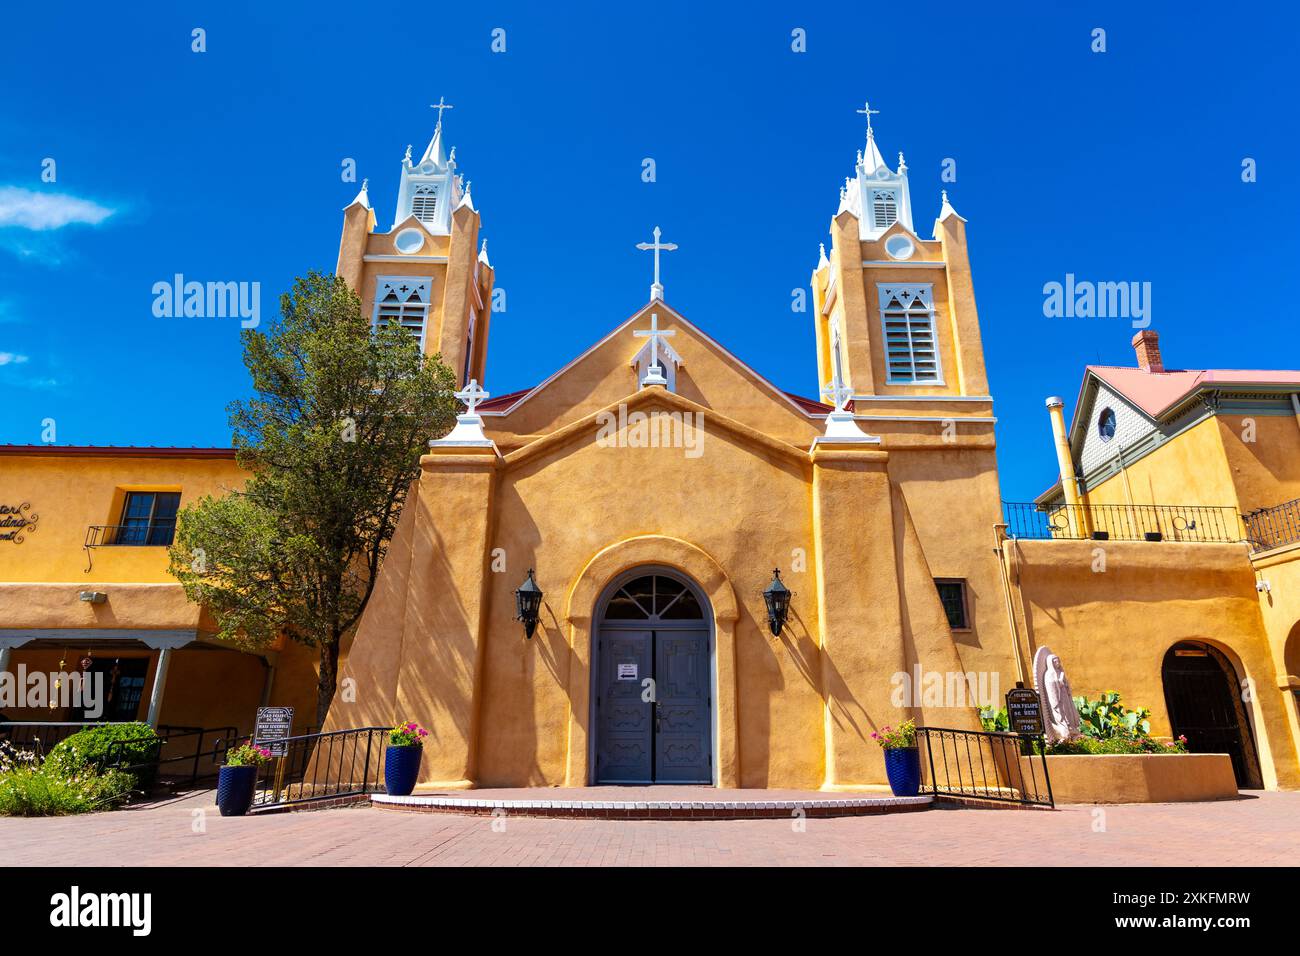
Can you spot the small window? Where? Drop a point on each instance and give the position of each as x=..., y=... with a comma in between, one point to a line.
x=149, y=518
x=952, y=594
x=911, y=352
x=884, y=208
x=1106, y=424
x=403, y=301
x=424, y=205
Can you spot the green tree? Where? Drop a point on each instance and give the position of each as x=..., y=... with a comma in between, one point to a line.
x=332, y=438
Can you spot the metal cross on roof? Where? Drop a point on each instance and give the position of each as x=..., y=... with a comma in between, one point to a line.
x=441, y=105
x=472, y=395
x=657, y=289
x=868, y=112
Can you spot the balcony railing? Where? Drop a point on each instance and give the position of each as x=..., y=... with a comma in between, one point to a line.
x=1273, y=527
x=1199, y=523
x=123, y=535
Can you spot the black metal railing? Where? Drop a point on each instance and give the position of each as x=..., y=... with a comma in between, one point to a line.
x=1273, y=527
x=1199, y=523
x=340, y=763
x=980, y=765
x=137, y=535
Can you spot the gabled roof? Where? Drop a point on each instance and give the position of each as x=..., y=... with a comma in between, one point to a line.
x=505, y=404
x=1157, y=392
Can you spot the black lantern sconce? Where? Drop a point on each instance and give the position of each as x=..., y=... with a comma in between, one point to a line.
x=777, y=597
x=528, y=604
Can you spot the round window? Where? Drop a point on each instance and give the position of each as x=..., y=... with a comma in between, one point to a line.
x=408, y=241
x=899, y=247
x=1106, y=424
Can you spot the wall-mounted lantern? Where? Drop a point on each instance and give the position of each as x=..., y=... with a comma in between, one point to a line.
x=777, y=597
x=528, y=604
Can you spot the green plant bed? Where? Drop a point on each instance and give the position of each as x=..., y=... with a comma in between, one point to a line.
x=1115, y=746
x=29, y=788
x=108, y=747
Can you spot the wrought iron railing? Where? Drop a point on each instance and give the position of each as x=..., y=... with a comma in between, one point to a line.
x=978, y=765
x=1199, y=523
x=340, y=763
x=133, y=535
x=1273, y=527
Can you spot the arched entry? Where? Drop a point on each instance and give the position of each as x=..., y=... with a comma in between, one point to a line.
x=652, y=681
x=1203, y=697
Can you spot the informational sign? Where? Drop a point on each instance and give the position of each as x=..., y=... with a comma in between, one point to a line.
x=627, y=671
x=1024, y=712
x=273, y=725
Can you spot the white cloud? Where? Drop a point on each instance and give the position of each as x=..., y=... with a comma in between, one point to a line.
x=12, y=358
x=42, y=211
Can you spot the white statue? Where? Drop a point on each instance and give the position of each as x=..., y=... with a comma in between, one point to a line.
x=1060, y=716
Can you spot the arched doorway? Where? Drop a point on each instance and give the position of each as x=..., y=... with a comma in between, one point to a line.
x=652, y=681
x=1203, y=697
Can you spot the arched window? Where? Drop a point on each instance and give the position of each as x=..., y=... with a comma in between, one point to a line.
x=424, y=205
x=654, y=597
x=884, y=208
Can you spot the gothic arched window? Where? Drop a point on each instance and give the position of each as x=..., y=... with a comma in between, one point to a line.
x=884, y=208
x=424, y=205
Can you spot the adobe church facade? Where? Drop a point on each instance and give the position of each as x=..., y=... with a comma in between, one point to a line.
x=652, y=486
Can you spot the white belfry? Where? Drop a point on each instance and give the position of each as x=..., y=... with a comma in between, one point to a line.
x=469, y=427
x=840, y=426
x=654, y=374
x=657, y=288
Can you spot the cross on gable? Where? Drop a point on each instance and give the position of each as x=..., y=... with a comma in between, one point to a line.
x=472, y=395
x=655, y=335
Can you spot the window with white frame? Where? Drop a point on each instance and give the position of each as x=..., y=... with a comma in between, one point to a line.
x=469, y=345
x=424, y=204
x=884, y=208
x=911, y=352
x=403, y=301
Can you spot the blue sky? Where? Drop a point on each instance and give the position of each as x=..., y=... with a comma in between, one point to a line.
x=225, y=165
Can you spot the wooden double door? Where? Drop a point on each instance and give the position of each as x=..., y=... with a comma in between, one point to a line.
x=653, y=687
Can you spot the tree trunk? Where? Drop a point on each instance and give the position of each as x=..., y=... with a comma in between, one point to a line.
x=328, y=682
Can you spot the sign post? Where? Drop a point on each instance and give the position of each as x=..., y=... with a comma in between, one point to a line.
x=1025, y=715
x=273, y=726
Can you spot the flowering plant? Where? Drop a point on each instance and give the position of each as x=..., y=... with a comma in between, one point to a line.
x=407, y=734
x=247, y=754
x=897, y=738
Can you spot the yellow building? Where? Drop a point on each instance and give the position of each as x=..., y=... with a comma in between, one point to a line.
x=642, y=496
x=84, y=588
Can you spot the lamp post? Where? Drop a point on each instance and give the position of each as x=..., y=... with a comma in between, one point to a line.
x=777, y=598
x=528, y=604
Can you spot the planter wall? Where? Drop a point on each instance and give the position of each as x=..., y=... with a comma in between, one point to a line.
x=1140, y=778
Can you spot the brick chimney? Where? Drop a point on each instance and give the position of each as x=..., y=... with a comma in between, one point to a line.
x=1147, y=346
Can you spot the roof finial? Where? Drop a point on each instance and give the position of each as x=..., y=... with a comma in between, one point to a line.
x=868, y=112
x=407, y=158
x=483, y=256
x=441, y=105
x=822, y=261
x=902, y=163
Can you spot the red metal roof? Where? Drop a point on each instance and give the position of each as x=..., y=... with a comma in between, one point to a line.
x=115, y=451
x=1157, y=392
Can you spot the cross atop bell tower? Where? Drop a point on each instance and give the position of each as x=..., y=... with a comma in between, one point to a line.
x=430, y=189
x=877, y=195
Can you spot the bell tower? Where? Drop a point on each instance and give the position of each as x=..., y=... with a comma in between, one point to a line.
x=896, y=310
x=430, y=272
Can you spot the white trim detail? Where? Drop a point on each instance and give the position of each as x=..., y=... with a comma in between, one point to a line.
x=910, y=334
x=903, y=264
x=400, y=258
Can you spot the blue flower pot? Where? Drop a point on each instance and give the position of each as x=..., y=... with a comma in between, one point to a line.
x=401, y=769
x=903, y=766
x=235, y=790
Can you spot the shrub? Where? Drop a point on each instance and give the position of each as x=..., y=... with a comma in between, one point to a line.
x=29, y=788
x=1117, y=745
x=98, y=747
x=895, y=738
x=1105, y=718
x=995, y=721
